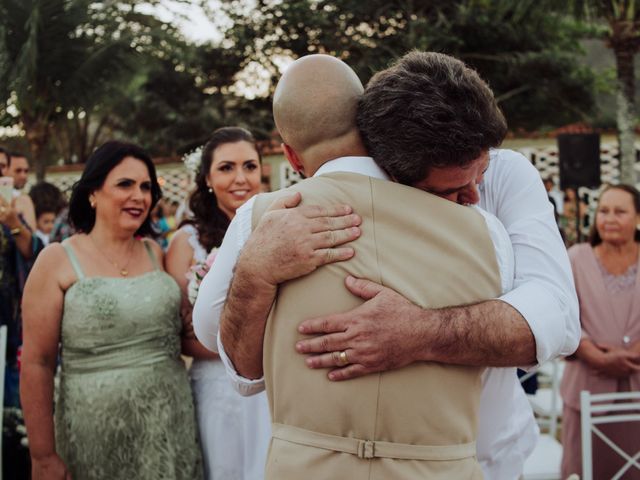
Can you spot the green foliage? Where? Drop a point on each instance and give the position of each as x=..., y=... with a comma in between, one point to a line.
x=74, y=73
x=527, y=53
x=621, y=21
x=55, y=57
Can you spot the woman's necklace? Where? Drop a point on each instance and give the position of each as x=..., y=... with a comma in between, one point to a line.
x=122, y=270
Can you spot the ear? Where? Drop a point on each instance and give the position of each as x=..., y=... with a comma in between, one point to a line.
x=293, y=158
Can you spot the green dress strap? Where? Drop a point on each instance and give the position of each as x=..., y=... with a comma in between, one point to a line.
x=74, y=260
x=152, y=255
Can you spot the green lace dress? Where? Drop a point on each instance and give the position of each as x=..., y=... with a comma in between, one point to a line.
x=124, y=408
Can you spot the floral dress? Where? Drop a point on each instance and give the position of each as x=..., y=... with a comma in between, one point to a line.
x=124, y=408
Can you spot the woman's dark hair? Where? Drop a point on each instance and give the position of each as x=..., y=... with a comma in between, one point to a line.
x=210, y=221
x=47, y=198
x=98, y=166
x=594, y=236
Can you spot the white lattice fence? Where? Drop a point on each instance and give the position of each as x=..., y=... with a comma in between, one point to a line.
x=176, y=182
x=174, y=179
x=288, y=176
x=546, y=161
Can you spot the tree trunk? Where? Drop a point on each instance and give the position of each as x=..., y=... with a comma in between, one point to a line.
x=37, y=134
x=626, y=114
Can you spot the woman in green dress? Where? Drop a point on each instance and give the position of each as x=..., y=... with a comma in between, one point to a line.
x=123, y=407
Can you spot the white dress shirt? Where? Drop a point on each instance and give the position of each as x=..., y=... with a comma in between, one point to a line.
x=544, y=294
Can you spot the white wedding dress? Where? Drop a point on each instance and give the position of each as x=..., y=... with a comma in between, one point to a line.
x=234, y=430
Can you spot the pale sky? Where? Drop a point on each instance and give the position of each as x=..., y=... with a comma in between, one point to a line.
x=254, y=79
x=191, y=19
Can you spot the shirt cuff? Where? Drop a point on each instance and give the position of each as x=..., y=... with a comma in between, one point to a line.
x=548, y=319
x=242, y=385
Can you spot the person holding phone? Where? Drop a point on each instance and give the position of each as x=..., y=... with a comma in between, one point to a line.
x=16, y=249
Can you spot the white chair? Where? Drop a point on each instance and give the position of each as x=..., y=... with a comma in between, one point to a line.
x=600, y=409
x=3, y=365
x=546, y=402
x=544, y=461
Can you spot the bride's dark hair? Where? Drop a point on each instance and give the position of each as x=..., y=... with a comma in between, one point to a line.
x=211, y=222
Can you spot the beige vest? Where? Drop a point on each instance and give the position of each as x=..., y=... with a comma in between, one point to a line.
x=417, y=422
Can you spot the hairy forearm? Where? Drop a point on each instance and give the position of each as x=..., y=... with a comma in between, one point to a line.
x=243, y=321
x=36, y=391
x=490, y=333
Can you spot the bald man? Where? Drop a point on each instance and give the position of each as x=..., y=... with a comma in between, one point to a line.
x=397, y=424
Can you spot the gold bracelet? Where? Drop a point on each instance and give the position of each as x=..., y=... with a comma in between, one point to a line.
x=16, y=231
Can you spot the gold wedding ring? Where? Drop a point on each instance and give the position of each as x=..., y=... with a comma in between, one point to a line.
x=343, y=358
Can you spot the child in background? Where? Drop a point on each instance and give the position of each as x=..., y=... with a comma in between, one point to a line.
x=170, y=217
x=44, y=222
x=48, y=201
x=159, y=224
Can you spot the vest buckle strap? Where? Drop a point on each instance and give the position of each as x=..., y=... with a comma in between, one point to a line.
x=370, y=449
x=366, y=449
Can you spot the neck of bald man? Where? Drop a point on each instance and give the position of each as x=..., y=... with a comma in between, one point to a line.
x=349, y=145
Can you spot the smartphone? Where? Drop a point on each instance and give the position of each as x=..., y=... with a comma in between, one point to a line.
x=6, y=189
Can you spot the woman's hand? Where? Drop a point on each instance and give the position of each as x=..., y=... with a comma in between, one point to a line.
x=50, y=467
x=617, y=362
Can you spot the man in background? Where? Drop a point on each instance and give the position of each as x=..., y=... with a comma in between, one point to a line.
x=18, y=169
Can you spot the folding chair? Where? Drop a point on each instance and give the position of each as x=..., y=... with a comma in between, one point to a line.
x=604, y=408
x=546, y=402
x=544, y=461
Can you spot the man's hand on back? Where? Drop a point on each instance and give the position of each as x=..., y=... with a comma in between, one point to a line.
x=388, y=332
x=291, y=242
x=287, y=243
x=370, y=345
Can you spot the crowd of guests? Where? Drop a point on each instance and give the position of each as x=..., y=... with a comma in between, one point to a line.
x=108, y=310
x=605, y=270
x=571, y=212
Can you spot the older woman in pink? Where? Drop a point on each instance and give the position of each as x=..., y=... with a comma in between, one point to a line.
x=608, y=357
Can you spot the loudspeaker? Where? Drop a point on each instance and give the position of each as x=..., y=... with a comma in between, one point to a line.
x=579, y=156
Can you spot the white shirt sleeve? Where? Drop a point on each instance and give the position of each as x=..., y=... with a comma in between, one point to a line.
x=213, y=293
x=544, y=291
x=503, y=249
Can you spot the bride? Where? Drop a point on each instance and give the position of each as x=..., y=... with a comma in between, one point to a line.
x=234, y=430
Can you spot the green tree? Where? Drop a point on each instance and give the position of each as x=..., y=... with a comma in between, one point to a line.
x=526, y=52
x=621, y=22
x=54, y=59
x=184, y=96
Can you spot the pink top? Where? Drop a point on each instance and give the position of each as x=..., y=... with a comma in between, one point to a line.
x=609, y=313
